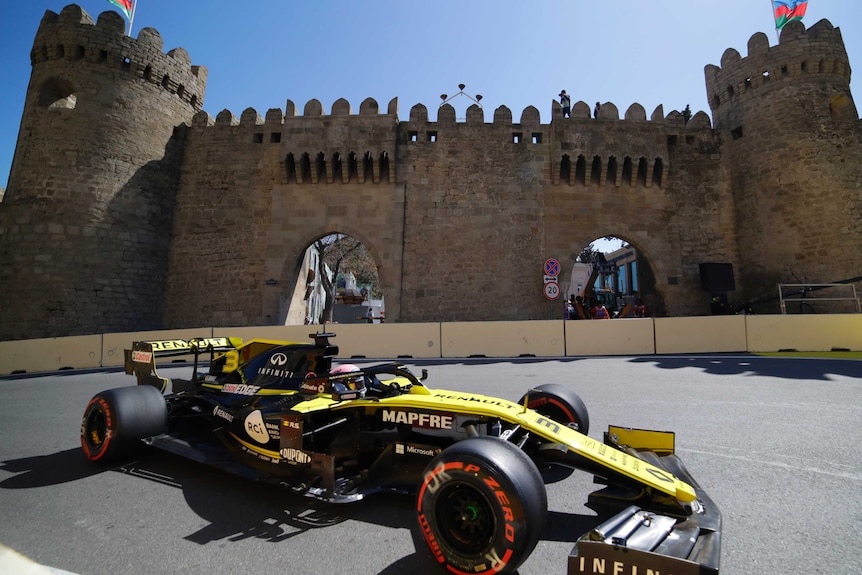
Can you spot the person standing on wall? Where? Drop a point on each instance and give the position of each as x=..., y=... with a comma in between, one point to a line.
x=566, y=103
x=596, y=109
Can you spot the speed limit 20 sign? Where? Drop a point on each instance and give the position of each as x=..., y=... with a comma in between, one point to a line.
x=552, y=290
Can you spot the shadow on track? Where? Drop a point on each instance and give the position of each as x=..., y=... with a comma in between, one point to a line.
x=236, y=509
x=44, y=470
x=781, y=367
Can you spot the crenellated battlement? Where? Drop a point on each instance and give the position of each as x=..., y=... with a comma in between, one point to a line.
x=816, y=52
x=627, y=151
x=72, y=36
x=446, y=114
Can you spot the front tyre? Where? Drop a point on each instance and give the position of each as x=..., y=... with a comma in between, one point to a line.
x=560, y=404
x=116, y=420
x=481, y=506
x=564, y=406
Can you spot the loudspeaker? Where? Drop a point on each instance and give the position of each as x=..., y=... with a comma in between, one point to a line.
x=717, y=277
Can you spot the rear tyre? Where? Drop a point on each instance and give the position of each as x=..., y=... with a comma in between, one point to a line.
x=116, y=420
x=481, y=506
x=564, y=406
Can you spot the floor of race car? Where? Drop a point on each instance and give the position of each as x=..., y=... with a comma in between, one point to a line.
x=774, y=441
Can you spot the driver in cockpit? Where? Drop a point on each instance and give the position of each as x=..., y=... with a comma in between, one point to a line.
x=344, y=384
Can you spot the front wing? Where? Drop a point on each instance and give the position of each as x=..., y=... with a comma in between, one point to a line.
x=641, y=541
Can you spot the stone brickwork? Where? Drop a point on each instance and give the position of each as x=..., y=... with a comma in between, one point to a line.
x=129, y=208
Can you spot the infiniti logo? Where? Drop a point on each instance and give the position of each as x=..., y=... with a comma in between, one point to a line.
x=278, y=359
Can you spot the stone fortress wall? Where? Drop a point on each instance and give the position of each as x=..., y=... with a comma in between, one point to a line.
x=190, y=225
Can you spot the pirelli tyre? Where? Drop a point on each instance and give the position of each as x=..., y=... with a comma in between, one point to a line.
x=560, y=404
x=116, y=420
x=481, y=506
x=564, y=406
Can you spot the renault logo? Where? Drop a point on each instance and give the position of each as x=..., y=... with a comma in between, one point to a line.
x=278, y=359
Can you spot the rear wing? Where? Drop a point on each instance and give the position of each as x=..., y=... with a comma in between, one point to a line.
x=140, y=361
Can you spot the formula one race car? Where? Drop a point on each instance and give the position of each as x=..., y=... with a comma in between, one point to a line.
x=280, y=412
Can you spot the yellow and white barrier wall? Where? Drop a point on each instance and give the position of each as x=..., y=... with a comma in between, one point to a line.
x=551, y=338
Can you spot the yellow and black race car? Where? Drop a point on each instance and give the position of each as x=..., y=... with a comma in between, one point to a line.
x=281, y=412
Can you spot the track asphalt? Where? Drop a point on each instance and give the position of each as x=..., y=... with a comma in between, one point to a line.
x=775, y=441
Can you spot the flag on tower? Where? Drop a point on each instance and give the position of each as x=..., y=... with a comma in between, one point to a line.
x=787, y=10
x=125, y=7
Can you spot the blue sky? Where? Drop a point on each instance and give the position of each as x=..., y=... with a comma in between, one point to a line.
x=514, y=53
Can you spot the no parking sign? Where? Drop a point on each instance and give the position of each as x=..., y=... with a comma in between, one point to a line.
x=552, y=267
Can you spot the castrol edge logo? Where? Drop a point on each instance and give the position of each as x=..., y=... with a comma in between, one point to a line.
x=142, y=356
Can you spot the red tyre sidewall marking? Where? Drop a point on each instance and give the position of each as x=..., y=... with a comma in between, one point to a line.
x=106, y=410
x=545, y=400
x=492, y=484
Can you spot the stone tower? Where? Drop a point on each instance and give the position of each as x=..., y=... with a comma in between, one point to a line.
x=793, y=153
x=85, y=224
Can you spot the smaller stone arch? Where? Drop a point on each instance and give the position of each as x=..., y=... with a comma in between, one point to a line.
x=367, y=172
x=566, y=169
x=58, y=93
x=612, y=171
x=304, y=172
x=385, y=168
x=658, y=172
x=319, y=173
x=337, y=167
x=628, y=171
x=596, y=170
x=581, y=170
x=290, y=170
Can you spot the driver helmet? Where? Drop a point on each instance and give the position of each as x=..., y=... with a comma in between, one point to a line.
x=348, y=383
